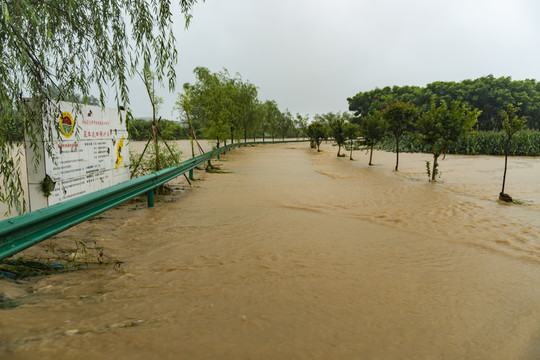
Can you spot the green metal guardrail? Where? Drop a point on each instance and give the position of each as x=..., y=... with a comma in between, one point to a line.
x=24, y=231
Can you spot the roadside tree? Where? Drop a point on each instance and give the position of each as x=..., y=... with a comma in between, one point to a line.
x=372, y=130
x=443, y=125
x=336, y=127
x=68, y=47
x=399, y=116
x=317, y=133
x=512, y=123
x=351, y=133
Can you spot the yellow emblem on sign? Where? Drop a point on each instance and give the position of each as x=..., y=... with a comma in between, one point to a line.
x=67, y=124
x=119, y=157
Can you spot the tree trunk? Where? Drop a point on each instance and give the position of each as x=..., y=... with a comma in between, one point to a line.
x=191, y=131
x=339, y=150
x=434, y=172
x=371, y=155
x=505, y=163
x=350, y=157
x=397, y=153
x=191, y=141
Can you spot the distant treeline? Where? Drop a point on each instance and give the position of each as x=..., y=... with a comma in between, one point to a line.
x=138, y=129
x=141, y=130
x=489, y=94
x=524, y=143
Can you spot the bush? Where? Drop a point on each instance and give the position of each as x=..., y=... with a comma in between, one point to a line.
x=148, y=161
x=524, y=143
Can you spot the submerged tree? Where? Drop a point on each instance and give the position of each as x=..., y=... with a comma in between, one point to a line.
x=71, y=46
x=301, y=124
x=317, y=133
x=399, y=116
x=351, y=133
x=512, y=123
x=285, y=123
x=441, y=126
x=372, y=129
x=338, y=132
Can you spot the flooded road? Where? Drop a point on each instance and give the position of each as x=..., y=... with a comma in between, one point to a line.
x=298, y=254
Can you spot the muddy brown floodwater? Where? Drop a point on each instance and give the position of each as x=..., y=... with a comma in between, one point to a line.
x=295, y=254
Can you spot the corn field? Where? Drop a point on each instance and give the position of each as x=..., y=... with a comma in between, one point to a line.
x=524, y=143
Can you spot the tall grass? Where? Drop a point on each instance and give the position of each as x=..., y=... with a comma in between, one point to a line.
x=524, y=143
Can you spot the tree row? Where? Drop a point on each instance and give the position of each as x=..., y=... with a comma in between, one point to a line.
x=435, y=130
x=488, y=94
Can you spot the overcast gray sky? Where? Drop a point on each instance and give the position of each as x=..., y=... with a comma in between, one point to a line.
x=310, y=55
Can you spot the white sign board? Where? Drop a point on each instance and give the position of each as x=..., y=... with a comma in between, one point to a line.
x=90, y=153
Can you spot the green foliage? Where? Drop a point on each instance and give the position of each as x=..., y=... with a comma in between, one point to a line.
x=270, y=121
x=337, y=131
x=300, y=125
x=512, y=123
x=334, y=123
x=399, y=117
x=351, y=131
x=435, y=172
x=46, y=186
x=285, y=123
x=220, y=102
x=317, y=132
x=373, y=128
x=441, y=126
x=141, y=130
x=488, y=94
x=524, y=143
x=222, y=107
x=55, y=49
x=14, y=129
x=148, y=161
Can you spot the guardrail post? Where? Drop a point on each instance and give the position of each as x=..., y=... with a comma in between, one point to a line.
x=190, y=174
x=209, y=163
x=218, y=157
x=150, y=197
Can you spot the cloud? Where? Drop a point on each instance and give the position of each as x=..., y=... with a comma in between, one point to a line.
x=310, y=56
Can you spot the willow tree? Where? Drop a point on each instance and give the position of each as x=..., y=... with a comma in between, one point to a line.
x=512, y=123
x=183, y=106
x=68, y=47
x=271, y=120
x=399, y=116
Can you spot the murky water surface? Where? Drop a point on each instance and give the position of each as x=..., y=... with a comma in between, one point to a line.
x=294, y=254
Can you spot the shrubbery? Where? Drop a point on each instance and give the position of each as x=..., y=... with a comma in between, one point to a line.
x=524, y=143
